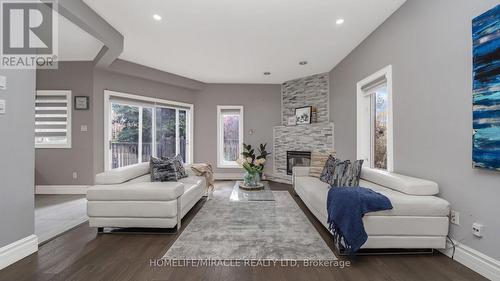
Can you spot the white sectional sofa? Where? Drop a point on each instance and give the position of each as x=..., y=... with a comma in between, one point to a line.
x=418, y=220
x=126, y=197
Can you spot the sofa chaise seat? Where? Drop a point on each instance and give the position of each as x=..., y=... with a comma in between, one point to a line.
x=416, y=221
x=126, y=197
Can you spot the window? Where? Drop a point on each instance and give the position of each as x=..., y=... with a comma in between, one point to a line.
x=53, y=119
x=374, y=126
x=229, y=135
x=139, y=127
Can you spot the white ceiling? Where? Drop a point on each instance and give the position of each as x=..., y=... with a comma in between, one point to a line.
x=235, y=41
x=76, y=44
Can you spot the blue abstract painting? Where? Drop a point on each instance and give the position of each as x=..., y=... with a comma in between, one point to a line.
x=486, y=89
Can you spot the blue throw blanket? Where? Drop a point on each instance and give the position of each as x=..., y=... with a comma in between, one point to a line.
x=346, y=208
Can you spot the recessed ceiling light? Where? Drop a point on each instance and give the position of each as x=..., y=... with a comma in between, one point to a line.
x=304, y=62
x=267, y=73
x=340, y=21
x=156, y=17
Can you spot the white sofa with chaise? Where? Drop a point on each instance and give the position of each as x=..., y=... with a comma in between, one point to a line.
x=418, y=220
x=126, y=197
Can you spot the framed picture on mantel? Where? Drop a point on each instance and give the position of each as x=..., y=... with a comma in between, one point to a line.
x=303, y=115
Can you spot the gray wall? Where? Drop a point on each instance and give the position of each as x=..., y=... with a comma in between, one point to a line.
x=17, y=156
x=56, y=166
x=261, y=102
x=429, y=46
x=261, y=113
x=107, y=80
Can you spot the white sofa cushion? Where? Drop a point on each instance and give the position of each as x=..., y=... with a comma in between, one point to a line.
x=193, y=180
x=143, y=178
x=316, y=192
x=192, y=192
x=405, y=184
x=299, y=171
x=123, y=174
x=140, y=191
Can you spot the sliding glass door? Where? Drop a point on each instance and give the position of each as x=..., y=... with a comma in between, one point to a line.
x=166, y=132
x=138, y=131
x=147, y=134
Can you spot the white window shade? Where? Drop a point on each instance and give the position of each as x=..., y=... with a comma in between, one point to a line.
x=53, y=119
x=377, y=82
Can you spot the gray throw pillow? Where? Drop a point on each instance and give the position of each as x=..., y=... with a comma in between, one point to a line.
x=179, y=165
x=179, y=162
x=351, y=174
x=327, y=173
x=162, y=170
x=339, y=173
x=354, y=173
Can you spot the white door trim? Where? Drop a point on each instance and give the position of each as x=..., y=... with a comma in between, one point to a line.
x=361, y=129
x=220, y=135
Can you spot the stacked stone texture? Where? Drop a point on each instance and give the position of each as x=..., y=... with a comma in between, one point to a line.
x=314, y=137
x=307, y=91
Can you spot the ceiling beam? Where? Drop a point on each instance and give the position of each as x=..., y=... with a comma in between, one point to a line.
x=87, y=19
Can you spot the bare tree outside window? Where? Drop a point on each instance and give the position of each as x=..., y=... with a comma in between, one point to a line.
x=231, y=137
x=380, y=129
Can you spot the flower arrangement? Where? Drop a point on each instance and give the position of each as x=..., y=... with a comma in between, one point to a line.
x=253, y=164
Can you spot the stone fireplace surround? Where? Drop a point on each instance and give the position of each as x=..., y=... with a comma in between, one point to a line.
x=308, y=91
x=314, y=137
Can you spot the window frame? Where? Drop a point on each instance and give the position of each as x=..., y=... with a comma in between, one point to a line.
x=69, y=106
x=364, y=124
x=142, y=102
x=220, y=135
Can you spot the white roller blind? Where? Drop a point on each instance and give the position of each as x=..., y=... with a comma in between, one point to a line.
x=145, y=102
x=53, y=119
x=374, y=84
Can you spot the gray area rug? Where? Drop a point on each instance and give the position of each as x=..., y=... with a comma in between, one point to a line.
x=224, y=230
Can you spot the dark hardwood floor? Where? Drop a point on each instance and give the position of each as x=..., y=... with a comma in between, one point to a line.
x=81, y=254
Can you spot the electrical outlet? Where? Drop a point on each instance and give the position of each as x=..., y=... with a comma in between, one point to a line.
x=75, y=175
x=455, y=217
x=477, y=229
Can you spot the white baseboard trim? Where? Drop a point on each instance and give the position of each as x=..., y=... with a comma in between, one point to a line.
x=18, y=250
x=475, y=260
x=61, y=189
x=228, y=176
